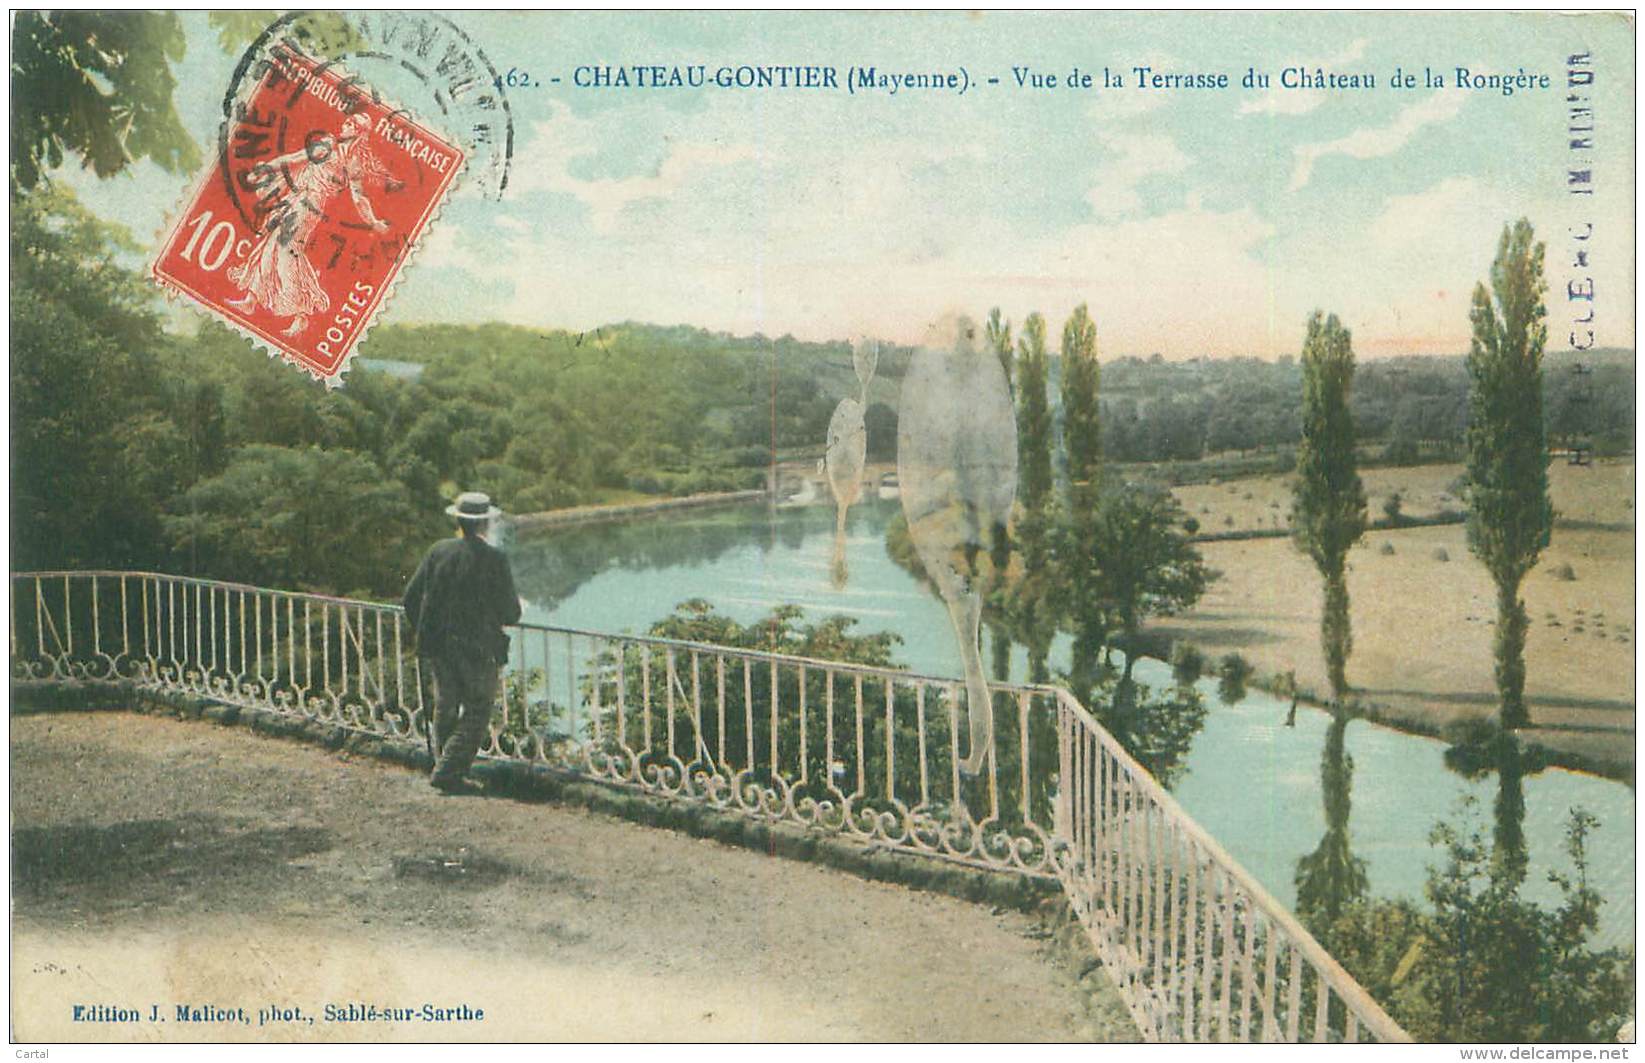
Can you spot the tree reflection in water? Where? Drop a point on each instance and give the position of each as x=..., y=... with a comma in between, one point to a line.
x=1332, y=877
x=1481, y=750
x=551, y=565
x=1156, y=726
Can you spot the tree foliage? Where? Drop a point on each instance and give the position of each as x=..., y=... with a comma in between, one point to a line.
x=114, y=418
x=1034, y=423
x=1081, y=412
x=997, y=331
x=1035, y=483
x=860, y=739
x=302, y=518
x=1406, y=410
x=1510, y=517
x=1328, y=508
x=1144, y=564
x=1482, y=963
x=97, y=85
x=84, y=342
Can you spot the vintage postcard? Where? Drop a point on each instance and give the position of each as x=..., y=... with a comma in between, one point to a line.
x=823, y=527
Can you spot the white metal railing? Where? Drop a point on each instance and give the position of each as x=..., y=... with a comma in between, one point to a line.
x=1198, y=949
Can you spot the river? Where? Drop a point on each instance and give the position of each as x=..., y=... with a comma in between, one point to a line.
x=1254, y=783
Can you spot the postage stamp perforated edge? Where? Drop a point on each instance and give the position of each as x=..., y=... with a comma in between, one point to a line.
x=177, y=217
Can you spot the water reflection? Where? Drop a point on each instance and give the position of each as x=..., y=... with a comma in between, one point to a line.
x=1232, y=674
x=1488, y=749
x=1331, y=877
x=846, y=452
x=1156, y=726
x=551, y=566
x=1246, y=774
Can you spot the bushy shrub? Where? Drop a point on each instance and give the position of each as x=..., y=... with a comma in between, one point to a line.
x=1187, y=662
x=1233, y=671
x=1481, y=963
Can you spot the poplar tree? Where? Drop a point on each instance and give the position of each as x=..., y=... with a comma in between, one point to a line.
x=1082, y=446
x=1035, y=486
x=1080, y=431
x=998, y=333
x=1510, y=517
x=1328, y=507
x=1034, y=439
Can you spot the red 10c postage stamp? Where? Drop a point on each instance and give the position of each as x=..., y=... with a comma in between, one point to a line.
x=296, y=234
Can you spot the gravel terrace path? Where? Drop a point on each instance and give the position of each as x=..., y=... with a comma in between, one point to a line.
x=160, y=862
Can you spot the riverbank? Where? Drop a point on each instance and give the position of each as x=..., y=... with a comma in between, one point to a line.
x=1424, y=620
x=1157, y=646
x=554, y=518
x=1423, y=609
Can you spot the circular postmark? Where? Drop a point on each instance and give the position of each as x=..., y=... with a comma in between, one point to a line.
x=324, y=183
x=311, y=137
x=423, y=61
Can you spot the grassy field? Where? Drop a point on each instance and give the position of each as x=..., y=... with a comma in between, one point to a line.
x=1600, y=493
x=1424, y=610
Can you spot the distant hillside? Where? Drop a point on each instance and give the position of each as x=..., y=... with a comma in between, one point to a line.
x=1417, y=405
x=724, y=383
x=1413, y=407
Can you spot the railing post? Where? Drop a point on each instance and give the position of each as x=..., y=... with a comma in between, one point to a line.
x=890, y=741
x=919, y=732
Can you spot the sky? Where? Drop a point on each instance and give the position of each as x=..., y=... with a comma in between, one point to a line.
x=1192, y=222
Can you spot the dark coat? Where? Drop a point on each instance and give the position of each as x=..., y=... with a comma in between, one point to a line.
x=460, y=599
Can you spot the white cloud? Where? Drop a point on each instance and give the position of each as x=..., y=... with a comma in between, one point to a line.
x=488, y=244
x=1375, y=142
x=563, y=138
x=1301, y=101
x=880, y=232
x=1138, y=158
x=1146, y=293
x=1423, y=253
x=1134, y=153
x=1419, y=217
x=443, y=247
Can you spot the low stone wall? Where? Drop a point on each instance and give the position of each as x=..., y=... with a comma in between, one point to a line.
x=589, y=514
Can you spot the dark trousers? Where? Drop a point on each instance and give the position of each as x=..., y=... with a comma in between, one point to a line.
x=465, y=688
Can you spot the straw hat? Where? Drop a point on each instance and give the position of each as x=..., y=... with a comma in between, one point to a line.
x=473, y=505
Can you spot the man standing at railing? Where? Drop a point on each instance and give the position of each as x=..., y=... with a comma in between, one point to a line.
x=458, y=603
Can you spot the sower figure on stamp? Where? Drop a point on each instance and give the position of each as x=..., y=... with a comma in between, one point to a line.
x=277, y=274
x=457, y=604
